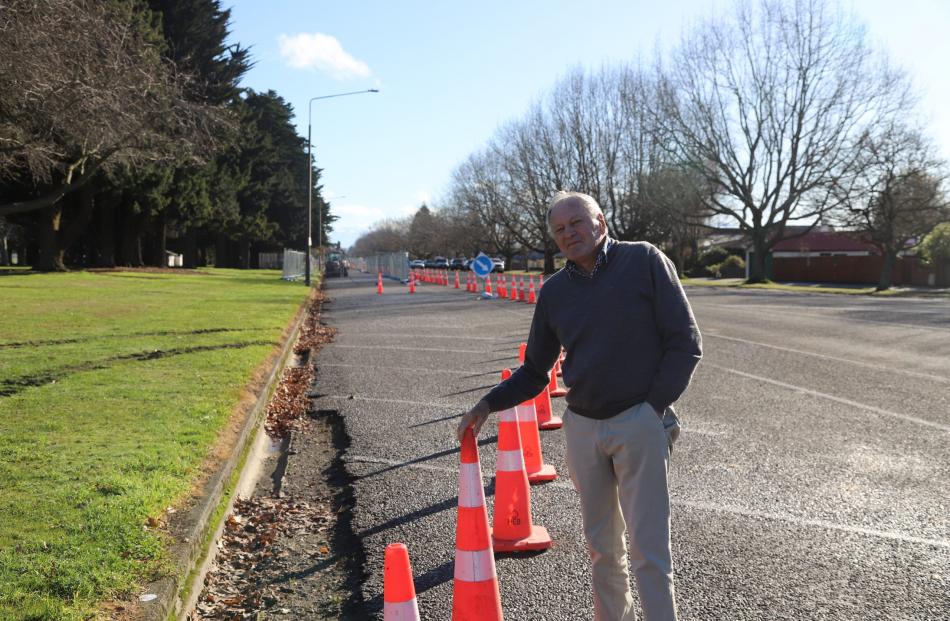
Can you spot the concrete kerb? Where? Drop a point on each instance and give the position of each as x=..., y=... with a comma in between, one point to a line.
x=203, y=523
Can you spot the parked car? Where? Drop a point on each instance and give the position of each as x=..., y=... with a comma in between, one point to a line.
x=439, y=263
x=336, y=265
x=458, y=263
x=417, y=264
x=498, y=265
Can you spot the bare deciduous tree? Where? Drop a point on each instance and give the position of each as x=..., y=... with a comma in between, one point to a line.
x=83, y=85
x=772, y=107
x=896, y=196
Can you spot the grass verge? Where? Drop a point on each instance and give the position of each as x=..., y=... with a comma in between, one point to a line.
x=798, y=288
x=114, y=387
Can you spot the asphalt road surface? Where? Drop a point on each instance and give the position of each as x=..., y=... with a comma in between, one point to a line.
x=810, y=482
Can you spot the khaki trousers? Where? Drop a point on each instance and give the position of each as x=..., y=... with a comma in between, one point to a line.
x=619, y=469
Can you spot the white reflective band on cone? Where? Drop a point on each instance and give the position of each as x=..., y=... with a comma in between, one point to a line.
x=471, y=492
x=508, y=416
x=474, y=566
x=527, y=412
x=401, y=611
x=509, y=461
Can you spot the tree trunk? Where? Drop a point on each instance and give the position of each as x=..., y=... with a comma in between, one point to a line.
x=548, y=260
x=220, y=251
x=79, y=222
x=131, y=246
x=887, y=270
x=190, y=249
x=244, y=247
x=106, y=255
x=50, y=259
x=757, y=262
x=162, y=241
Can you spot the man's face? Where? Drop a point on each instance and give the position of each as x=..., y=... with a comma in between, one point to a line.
x=575, y=233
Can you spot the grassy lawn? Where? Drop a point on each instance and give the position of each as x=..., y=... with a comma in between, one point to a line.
x=113, y=388
x=799, y=288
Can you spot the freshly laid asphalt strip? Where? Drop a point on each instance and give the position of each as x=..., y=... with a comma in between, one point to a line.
x=809, y=483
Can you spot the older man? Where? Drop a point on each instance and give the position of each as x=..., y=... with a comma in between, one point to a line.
x=632, y=345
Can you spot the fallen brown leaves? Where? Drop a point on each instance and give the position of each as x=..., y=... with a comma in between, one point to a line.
x=234, y=590
x=287, y=407
x=241, y=583
x=285, y=413
x=313, y=334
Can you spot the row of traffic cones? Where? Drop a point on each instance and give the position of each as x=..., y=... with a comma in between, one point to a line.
x=516, y=291
x=475, y=595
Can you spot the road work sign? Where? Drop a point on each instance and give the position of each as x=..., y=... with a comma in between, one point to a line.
x=482, y=265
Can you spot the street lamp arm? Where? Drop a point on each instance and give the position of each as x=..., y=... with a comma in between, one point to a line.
x=310, y=178
x=369, y=90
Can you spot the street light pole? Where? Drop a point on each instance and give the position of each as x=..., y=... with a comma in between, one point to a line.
x=310, y=179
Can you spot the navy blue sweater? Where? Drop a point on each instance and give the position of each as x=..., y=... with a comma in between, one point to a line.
x=629, y=333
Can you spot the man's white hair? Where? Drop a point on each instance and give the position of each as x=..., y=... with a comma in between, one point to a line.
x=561, y=196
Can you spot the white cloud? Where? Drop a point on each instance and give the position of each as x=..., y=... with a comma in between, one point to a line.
x=357, y=214
x=354, y=221
x=321, y=52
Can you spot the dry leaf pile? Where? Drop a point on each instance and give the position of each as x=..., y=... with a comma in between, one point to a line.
x=234, y=590
x=285, y=412
x=313, y=334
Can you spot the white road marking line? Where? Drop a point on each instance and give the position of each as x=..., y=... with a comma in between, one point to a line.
x=827, y=357
x=399, y=348
x=514, y=312
x=431, y=404
x=798, y=521
x=706, y=506
x=389, y=368
x=703, y=432
x=407, y=335
x=815, y=393
x=750, y=308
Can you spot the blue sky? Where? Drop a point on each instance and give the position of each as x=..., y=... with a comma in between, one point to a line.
x=450, y=73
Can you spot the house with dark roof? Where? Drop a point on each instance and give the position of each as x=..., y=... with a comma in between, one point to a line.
x=828, y=255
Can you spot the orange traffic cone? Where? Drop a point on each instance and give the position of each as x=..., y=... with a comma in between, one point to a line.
x=553, y=389
x=379, y=284
x=503, y=288
x=399, y=593
x=520, y=289
x=475, y=594
x=513, y=528
x=531, y=296
x=488, y=285
x=534, y=466
x=546, y=418
x=540, y=281
x=457, y=280
x=521, y=350
x=412, y=283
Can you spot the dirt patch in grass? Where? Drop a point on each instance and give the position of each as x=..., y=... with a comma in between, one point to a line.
x=148, y=270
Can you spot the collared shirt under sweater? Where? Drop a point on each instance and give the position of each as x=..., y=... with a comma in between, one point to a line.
x=628, y=329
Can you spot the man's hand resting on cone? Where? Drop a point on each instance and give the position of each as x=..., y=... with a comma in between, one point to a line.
x=474, y=418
